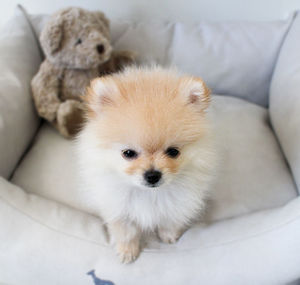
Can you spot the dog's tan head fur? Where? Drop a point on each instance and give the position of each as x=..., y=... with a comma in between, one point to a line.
x=151, y=112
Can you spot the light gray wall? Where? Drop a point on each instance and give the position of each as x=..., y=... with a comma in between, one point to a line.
x=185, y=10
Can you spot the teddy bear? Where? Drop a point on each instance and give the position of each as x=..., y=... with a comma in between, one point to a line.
x=77, y=48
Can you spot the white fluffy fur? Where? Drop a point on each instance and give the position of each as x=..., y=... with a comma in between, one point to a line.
x=109, y=193
x=115, y=196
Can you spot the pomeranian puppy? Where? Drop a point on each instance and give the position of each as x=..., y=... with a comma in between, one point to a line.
x=146, y=153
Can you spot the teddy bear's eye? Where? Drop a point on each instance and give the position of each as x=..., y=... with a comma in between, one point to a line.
x=78, y=42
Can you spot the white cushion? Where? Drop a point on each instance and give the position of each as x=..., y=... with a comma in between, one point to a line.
x=19, y=61
x=234, y=58
x=43, y=242
x=253, y=175
x=285, y=99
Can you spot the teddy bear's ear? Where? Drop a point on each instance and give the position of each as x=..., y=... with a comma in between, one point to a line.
x=51, y=36
x=104, y=23
x=102, y=18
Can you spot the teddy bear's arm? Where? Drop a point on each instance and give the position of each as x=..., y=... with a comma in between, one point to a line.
x=117, y=61
x=45, y=89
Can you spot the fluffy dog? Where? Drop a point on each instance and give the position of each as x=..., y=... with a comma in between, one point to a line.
x=147, y=154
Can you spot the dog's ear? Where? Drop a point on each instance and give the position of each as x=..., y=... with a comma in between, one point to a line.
x=196, y=91
x=100, y=94
x=51, y=36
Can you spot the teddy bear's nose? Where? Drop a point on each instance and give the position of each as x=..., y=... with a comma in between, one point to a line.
x=100, y=48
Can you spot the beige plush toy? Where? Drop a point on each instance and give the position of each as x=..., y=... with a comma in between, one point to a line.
x=77, y=48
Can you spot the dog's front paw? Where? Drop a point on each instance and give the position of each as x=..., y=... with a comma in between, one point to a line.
x=128, y=252
x=168, y=235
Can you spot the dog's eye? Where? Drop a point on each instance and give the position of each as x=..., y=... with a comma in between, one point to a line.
x=78, y=42
x=172, y=152
x=129, y=154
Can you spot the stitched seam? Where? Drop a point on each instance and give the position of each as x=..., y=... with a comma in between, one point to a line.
x=32, y=29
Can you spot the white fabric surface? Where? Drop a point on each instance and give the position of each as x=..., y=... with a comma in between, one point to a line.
x=19, y=61
x=285, y=99
x=235, y=58
x=43, y=242
x=253, y=175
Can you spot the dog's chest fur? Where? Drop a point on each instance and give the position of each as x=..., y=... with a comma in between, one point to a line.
x=148, y=208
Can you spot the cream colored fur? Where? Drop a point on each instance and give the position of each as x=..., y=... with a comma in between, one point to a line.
x=147, y=110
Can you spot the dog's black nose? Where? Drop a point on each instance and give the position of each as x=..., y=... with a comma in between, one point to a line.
x=152, y=176
x=100, y=48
